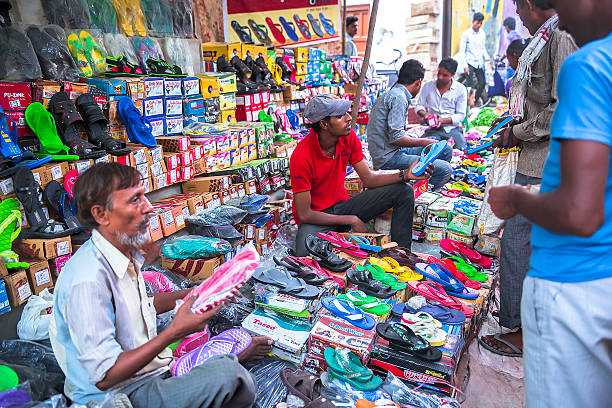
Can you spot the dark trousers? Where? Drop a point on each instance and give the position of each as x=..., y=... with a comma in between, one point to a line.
x=368, y=205
x=477, y=75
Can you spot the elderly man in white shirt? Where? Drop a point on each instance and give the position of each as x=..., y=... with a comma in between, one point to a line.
x=446, y=99
x=473, y=48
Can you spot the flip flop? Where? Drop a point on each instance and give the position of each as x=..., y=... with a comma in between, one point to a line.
x=289, y=29
x=277, y=31
x=433, y=291
x=156, y=282
x=241, y=31
x=403, y=256
x=286, y=283
x=221, y=345
x=443, y=314
x=366, y=303
x=303, y=26
x=328, y=24
x=138, y=127
x=316, y=27
x=306, y=272
x=424, y=325
x=364, y=281
x=347, y=311
x=468, y=270
x=454, y=287
x=452, y=268
x=517, y=351
x=43, y=125
x=320, y=270
x=224, y=281
x=323, y=250
x=260, y=31
x=302, y=384
x=60, y=201
x=386, y=279
x=364, y=243
x=191, y=342
x=474, y=256
x=93, y=52
x=401, y=337
x=347, y=366
x=390, y=265
x=79, y=54
x=12, y=397
x=10, y=227
x=433, y=151
x=493, y=131
x=338, y=241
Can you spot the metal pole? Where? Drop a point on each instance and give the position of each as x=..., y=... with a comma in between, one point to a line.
x=366, y=62
x=447, y=29
x=343, y=24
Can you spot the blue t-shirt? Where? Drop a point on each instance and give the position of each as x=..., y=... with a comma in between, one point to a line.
x=584, y=112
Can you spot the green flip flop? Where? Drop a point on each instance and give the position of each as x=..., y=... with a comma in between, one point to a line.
x=468, y=270
x=41, y=121
x=346, y=365
x=380, y=275
x=366, y=303
x=10, y=227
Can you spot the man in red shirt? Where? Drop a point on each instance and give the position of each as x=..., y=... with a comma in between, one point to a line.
x=318, y=168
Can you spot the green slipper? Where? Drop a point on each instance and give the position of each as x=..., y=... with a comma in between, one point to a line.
x=380, y=275
x=468, y=270
x=41, y=121
x=366, y=303
x=346, y=365
x=304, y=314
x=10, y=227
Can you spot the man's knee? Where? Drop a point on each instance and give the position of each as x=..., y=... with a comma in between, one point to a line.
x=447, y=154
x=404, y=192
x=232, y=378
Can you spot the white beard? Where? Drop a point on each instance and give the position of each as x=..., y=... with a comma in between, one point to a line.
x=138, y=240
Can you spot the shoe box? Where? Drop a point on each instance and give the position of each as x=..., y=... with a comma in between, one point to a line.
x=254, y=51
x=14, y=99
x=17, y=288
x=288, y=334
x=213, y=50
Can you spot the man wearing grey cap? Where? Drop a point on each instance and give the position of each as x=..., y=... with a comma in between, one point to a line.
x=318, y=168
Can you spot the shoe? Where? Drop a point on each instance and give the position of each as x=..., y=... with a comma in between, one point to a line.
x=261, y=63
x=224, y=66
x=287, y=71
x=316, y=27
x=244, y=74
x=260, y=31
x=242, y=32
x=120, y=66
x=303, y=26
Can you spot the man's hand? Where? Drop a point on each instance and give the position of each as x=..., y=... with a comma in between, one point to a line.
x=358, y=226
x=466, y=70
x=499, y=119
x=186, y=322
x=408, y=175
x=505, y=140
x=501, y=200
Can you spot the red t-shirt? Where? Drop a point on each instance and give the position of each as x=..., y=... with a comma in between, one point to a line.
x=322, y=175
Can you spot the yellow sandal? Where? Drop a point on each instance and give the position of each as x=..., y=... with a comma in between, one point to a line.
x=390, y=265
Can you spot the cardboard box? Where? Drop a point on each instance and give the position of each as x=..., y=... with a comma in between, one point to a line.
x=254, y=51
x=43, y=249
x=288, y=334
x=192, y=269
x=207, y=184
x=174, y=144
x=56, y=171
x=155, y=228
x=17, y=288
x=460, y=223
x=39, y=275
x=209, y=86
x=262, y=235
x=23, y=130
x=227, y=101
x=118, y=132
x=228, y=116
x=213, y=50
x=227, y=81
x=82, y=165
x=154, y=87
x=179, y=217
x=167, y=221
x=191, y=86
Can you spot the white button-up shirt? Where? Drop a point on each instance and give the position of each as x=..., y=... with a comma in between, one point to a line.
x=473, y=47
x=452, y=104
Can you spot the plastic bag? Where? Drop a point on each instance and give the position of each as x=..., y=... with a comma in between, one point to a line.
x=36, y=316
x=158, y=15
x=157, y=282
x=91, y=46
x=231, y=316
x=119, y=44
x=176, y=52
x=405, y=395
x=130, y=18
x=182, y=18
x=227, y=232
x=54, y=57
x=164, y=319
x=18, y=61
x=146, y=48
x=55, y=401
x=195, y=246
x=174, y=278
x=67, y=13
x=103, y=15
x=270, y=388
x=221, y=215
x=502, y=173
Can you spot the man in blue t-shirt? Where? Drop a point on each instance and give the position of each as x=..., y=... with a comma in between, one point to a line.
x=566, y=306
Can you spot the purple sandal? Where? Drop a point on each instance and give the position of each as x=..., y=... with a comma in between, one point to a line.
x=233, y=341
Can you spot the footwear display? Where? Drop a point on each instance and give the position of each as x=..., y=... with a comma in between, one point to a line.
x=53, y=55
x=260, y=31
x=243, y=32
x=328, y=25
x=277, y=31
x=316, y=27
x=303, y=26
x=97, y=126
x=120, y=66
x=78, y=53
x=138, y=127
x=289, y=28
x=18, y=61
x=10, y=227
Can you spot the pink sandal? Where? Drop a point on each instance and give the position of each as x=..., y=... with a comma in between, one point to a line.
x=433, y=291
x=320, y=270
x=339, y=242
x=474, y=256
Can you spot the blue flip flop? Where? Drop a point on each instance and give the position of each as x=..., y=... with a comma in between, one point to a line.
x=328, y=25
x=293, y=119
x=138, y=127
x=438, y=273
x=349, y=312
x=364, y=243
x=9, y=148
x=433, y=151
x=466, y=207
x=491, y=133
x=441, y=313
x=289, y=28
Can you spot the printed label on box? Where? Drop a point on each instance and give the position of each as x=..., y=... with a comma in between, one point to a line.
x=157, y=127
x=37, y=178
x=174, y=107
x=191, y=86
x=156, y=169
x=180, y=220
x=43, y=276
x=143, y=169
x=168, y=218
x=153, y=107
x=81, y=167
x=56, y=172
x=174, y=125
x=173, y=87
x=154, y=222
x=154, y=87
x=7, y=186
x=139, y=156
x=24, y=292
x=62, y=248
x=103, y=159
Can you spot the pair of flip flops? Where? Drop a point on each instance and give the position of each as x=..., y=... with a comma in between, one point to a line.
x=287, y=284
x=11, y=152
x=403, y=256
x=468, y=269
x=441, y=313
x=367, y=303
x=453, y=286
x=435, y=292
x=87, y=54
x=339, y=242
x=322, y=249
x=365, y=282
x=452, y=268
x=346, y=365
x=386, y=278
x=472, y=255
x=344, y=309
x=233, y=341
x=401, y=337
x=390, y=265
x=300, y=269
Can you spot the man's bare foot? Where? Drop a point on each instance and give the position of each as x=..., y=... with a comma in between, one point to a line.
x=258, y=349
x=514, y=338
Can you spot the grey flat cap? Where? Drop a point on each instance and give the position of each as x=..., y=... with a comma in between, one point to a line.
x=322, y=106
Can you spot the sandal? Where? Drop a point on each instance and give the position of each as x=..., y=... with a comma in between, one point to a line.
x=277, y=31
x=303, y=26
x=433, y=291
x=97, y=126
x=138, y=127
x=474, y=256
x=424, y=325
x=69, y=120
x=366, y=303
x=94, y=53
x=309, y=262
x=261, y=32
x=191, y=342
x=338, y=241
x=61, y=203
x=43, y=125
x=328, y=24
x=306, y=272
x=443, y=314
x=517, y=352
x=454, y=287
x=10, y=227
x=120, y=66
x=323, y=250
x=401, y=337
x=305, y=386
x=28, y=191
x=428, y=155
x=364, y=281
x=403, y=256
x=289, y=29
x=346, y=365
x=286, y=283
x=347, y=311
x=78, y=53
x=316, y=27
x=241, y=31
x=390, y=265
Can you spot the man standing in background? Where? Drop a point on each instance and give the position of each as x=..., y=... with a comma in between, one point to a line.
x=475, y=54
x=352, y=24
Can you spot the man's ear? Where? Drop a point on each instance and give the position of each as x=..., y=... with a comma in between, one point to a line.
x=100, y=214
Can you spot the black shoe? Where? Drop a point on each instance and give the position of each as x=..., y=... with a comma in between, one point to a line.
x=224, y=66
